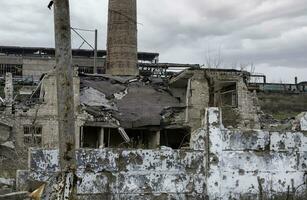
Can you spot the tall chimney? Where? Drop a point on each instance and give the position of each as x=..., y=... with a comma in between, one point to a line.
x=122, y=38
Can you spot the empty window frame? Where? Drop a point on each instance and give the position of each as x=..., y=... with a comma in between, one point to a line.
x=100, y=70
x=15, y=69
x=175, y=138
x=139, y=138
x=85, y=69
x=32, y=135
x=228, y=95
x=90, y=137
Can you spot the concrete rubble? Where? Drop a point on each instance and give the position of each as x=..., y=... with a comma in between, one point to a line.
x=132, y=102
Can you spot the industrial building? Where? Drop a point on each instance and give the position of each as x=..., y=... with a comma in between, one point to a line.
x=32, y=62
x=142, y=132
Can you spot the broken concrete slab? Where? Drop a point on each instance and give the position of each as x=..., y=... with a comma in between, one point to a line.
x=142, y=106
x=92, y=97
x=103, y=85
x=134, y=103
x=16, y=196
x=9, y=144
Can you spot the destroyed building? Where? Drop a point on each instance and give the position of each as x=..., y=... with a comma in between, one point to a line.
x=143, y=132
x=147, y=116
x=147, y=108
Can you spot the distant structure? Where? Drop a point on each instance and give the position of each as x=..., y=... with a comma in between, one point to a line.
x=122, y=38
x=31, y=62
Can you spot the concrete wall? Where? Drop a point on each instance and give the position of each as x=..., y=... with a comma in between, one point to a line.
x=197, y=100
x=246, y=105
x=255, y=163
x=127, y=174
x=11, y=60
x=45, y=112
x=221, y=164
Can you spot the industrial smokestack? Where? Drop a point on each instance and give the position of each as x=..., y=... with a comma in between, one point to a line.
x=122, y=38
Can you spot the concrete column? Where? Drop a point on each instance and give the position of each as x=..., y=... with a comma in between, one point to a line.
x=101, y=138
x=65, y=100
x=199, y=100
x=154, y=140
x=77, y=136
x=8, y=91
x=187, y=100
x=19, y=134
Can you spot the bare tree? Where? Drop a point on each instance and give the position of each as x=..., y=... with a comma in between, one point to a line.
x=213, y=61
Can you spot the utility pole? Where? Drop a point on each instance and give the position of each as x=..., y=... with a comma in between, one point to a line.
x=65, y=99
x=95, y=52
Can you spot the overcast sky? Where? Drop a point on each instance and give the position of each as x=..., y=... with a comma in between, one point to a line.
x=271, y=34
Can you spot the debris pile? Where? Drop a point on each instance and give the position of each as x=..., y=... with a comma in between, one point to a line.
x=127, y=101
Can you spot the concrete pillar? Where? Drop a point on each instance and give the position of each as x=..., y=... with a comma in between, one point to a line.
x=122, y=38
x=64, y=76
x=19, y=134
x=188, y=96
x=198, y=100
x=8, y=91
x=81, y=137
x=101, y=138
x=77, y=135
x=154, y=140
x=65, y=100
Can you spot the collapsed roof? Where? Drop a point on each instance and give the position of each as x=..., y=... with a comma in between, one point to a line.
x=133, y=102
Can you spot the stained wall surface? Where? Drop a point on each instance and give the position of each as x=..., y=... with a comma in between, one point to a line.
x=220, y=164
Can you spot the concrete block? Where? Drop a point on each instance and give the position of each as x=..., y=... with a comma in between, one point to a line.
x=169, y=183
x=289, y=141
x=93, y=183
x=42, y=160
x=97, y=160
x=261, y=161
x=302, y=161
x=251, y=140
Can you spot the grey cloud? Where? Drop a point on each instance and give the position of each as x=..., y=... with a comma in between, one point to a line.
x=265, y=32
